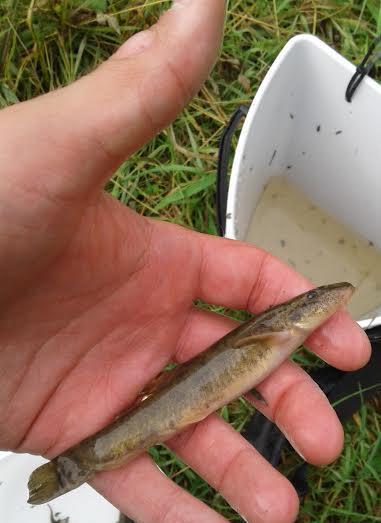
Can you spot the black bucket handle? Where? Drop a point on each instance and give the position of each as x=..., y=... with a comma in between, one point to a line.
x=363, y=69
x=222, y=166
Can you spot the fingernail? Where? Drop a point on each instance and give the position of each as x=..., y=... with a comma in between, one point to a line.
x=136, y=44
x=292, y=442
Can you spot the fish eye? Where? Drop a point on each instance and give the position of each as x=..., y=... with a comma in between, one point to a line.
x=311, y=295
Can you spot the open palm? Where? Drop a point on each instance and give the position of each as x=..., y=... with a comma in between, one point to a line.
x=96, y=299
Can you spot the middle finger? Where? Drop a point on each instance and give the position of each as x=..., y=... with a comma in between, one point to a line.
x=234, y=468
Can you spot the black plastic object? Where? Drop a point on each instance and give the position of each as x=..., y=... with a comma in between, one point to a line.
x=345, y=391
x=124, y=519
x=223, y=164
x=363, y=69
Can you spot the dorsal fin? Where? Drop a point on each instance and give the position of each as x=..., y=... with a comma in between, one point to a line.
x=160, y=381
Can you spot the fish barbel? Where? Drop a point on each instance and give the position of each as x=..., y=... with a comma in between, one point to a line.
x=191, y=391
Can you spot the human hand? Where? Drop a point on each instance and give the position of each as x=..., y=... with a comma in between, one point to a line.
x=96, y=299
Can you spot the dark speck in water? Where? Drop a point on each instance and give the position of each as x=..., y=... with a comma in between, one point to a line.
x=312, y=207
x=318, y=128
x=244, y=157
x=272, y=157
x=291, y=116
x=274, y=196
x=229, y=215
x=324, y=221
x=291, y=262
x=251, y=169
x=289, y=167
x=338, y=132
x=341, y=241
x=283, y=243
x=370, y=243
x=303, y=153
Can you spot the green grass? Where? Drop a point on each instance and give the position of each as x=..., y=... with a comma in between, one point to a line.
x=45, y=44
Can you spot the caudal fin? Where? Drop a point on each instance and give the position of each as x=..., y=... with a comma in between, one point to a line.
x=43, y=484
x=55, y=478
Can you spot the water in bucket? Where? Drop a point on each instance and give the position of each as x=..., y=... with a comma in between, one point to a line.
x=294, y=228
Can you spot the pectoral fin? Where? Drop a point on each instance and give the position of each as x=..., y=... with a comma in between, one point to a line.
x=266, y=338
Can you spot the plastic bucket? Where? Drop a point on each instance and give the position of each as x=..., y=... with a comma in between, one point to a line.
x=301, y=127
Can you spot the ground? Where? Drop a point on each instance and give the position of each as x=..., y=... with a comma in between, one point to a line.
x=48, y=43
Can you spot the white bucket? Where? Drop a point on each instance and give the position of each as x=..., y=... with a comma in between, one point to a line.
x=301, y=127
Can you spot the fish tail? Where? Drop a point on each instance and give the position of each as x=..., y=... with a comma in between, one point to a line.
x=48, y=482
x=43, y=484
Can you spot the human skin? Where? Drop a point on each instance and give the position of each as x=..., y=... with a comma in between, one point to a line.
x=97, y=299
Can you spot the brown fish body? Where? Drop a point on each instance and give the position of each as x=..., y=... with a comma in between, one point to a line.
x=192, y=391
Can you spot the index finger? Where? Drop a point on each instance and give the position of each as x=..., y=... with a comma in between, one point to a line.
x=241, y=276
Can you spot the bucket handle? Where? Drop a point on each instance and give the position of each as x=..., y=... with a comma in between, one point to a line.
x=222, y=167
x=363, y=69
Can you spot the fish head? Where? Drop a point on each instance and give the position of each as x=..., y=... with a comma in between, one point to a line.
x=306, y=312
x=311, y=309
x=272, y=336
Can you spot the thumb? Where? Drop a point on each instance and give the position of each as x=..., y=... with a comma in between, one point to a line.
x=67, y=142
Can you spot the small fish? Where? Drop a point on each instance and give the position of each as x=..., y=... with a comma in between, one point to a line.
x=190, y=392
